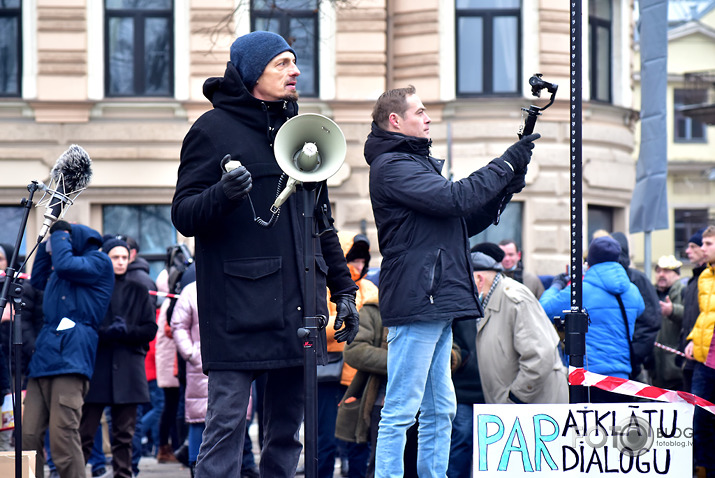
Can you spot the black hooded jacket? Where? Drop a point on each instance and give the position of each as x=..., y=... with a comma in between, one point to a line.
x=423, y=225
x=648, y=323
x=249, y=278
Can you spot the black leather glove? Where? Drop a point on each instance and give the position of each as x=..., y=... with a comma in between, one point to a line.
x=347, y=313
x=517, y=183
x=519, y=153
x=61, y=226
x=116, y=330
x=237, y=182
x=560, y=281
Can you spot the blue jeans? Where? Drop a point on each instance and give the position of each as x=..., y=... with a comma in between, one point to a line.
x=329, y=395
x=151, y=418
x=418, y=379
x=460, y=453
x=704, y=421
x=195, y=432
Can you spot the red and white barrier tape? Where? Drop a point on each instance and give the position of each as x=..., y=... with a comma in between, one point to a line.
x=669, y=349
x=22, y=275
x=579, y=376
x=163, y=294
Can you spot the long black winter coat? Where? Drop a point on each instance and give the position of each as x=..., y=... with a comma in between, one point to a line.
x=250, y=279
x=119, y=375
x=423, y=225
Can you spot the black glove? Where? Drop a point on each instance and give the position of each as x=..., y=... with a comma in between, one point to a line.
x=61, y=226
x=116, y=330
x=237, y=182
x=519, y=153
x=347, y=312
x=560, y=281
x=517, y=183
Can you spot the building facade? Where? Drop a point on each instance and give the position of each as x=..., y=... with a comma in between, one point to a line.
x=691, y=140
x=123, y=79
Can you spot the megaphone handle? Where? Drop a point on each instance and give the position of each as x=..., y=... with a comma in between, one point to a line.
x=283, y=196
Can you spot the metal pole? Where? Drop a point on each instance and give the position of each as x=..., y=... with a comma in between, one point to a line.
x=309, y=334
x=576, y=318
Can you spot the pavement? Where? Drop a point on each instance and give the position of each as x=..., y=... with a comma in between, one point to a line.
x=149, y=468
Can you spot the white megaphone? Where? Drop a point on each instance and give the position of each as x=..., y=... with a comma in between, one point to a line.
x=308, y=148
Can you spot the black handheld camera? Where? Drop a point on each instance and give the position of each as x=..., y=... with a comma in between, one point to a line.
x=537, y=84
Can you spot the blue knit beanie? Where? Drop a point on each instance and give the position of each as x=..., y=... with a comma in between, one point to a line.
x=251, y=53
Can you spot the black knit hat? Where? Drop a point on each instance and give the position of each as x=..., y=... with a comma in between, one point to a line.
x=113, y=242
x=603, y=249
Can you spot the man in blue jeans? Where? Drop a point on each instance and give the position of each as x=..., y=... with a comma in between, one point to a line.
x=423, y=226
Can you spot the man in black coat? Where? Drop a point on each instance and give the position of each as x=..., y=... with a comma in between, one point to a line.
x=423, y=225
x=119, y=378
x=250, y=278
x=648, y=323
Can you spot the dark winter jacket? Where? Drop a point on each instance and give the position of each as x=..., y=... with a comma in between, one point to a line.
x=250, y=278
x=31, y=316
x=138, y=271
x=423, y=224
x=119, y=375
x=78, y=289
x=648, y=323
x=466, y=379
x=607, y=349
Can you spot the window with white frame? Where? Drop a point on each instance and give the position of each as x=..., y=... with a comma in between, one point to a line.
x=297, y=22
x=488, y=47
x=10, y=47
x=685, y=129
x=139, y=47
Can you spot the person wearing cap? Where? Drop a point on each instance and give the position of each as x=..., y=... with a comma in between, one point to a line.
x=424, y=221
x=691, y=307
x=665, y=372
x=250, y=279
x=77, y=280
x=119, y=380
x=608, y=347
x=517, y=345
x=697, y=348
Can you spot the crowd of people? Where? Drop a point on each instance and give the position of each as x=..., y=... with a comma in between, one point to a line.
x=401, y=361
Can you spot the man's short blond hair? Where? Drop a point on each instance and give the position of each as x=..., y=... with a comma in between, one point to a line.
x=709, y=231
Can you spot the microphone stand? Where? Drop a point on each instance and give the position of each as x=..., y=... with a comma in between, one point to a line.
x=16, y=294
x=312, y=323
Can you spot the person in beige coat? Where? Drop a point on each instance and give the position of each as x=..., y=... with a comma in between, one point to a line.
x=517, y=345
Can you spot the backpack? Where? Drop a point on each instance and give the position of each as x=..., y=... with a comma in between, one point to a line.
x=178, y=259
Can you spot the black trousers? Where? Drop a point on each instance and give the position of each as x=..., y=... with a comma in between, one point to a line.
x=124, y=419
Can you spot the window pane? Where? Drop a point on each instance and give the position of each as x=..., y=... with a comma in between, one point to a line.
x=509, y=227
x=603, y=64
x=303, y=33
x=156, y=56
x=139, y=4
x=9, y=56
x=121, y=56
x=285, y=4
x=150, y=225
x=11, y=220
x=505, y=55
x=599, y=217
x=268, y=24
x=471, y=56
x=488, y=4
x=600, y=9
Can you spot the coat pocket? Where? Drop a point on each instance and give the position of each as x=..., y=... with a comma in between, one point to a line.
x=254, y=294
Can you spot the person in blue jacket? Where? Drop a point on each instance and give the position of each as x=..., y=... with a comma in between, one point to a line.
x=608, y=339
x=78, y=281
x=423, y=223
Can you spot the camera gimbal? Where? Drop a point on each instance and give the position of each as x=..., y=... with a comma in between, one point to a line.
x=537, y=84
